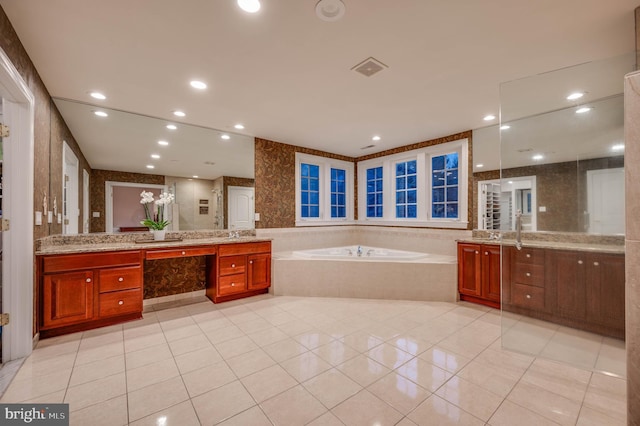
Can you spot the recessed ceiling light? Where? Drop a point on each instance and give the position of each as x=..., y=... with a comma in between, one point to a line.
x=583, y=110
x=195, y=176
x=197, y=84
x=239, y=126
x=538, y=157
x=97, y=95
x=179, y=114
x=330, y=10
x=225, y=137
x=163, y=143
x=575, y=95
x=618, y=147
x=489, y=117
x=150, y=166
x=376, y=138
x=480, y=165
x=156, y=156
x=505, y=127
x=251, y=6
x=101, y=113
x=172, y=126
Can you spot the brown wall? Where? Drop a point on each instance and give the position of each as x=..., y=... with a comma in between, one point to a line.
x=275, y=176
x=97, y=189
x=560, y=187
x=49, y=132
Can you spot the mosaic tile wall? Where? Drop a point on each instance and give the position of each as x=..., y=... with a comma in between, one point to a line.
x=97, y=184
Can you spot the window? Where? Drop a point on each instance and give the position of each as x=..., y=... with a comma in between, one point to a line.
x=374, y=192
x=310, y=190
x=406, y=189
x=424, y=187
x=444, y=186
x=324, y=190
x=338, y=193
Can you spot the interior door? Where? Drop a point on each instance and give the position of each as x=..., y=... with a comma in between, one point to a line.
x=241, y=207
x=70, y=194
x=605, y=199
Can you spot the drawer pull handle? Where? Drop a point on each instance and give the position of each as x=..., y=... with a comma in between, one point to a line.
x=183, y=253
x=579, y=262
x=88, y=280
x=528, y=274
x=233, y=265
x=528, y=296
x=477, y=252
x=120, y=279
x=120, y=302
x=528, y=255
x=251, y=262
x=595, y=263
x=233, y=284
x=486, y=253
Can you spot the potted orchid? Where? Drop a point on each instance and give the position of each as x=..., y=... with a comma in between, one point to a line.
x=156, y=220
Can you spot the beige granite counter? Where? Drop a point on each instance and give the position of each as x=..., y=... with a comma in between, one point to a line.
x=100, y=242
x=557, y=245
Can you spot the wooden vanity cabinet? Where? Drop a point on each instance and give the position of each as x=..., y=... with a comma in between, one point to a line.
x=479, y=273
x=579, y=289
x=239, y=270
x=83, y=291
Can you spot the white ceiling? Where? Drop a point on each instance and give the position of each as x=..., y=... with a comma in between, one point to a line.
x=286, y=75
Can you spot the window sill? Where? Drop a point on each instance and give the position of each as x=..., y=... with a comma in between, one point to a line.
x=325, y=222
x=415, y=223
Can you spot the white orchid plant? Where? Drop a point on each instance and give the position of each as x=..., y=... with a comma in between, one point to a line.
x=157, y=220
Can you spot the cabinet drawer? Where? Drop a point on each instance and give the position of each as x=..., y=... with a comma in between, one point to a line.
x=231, y=284
x=233, y=265
x=530, y=256
x=120, y=278
x=120, y=302
x=180, y=252
x=244, y=248
x=529, y=274
x=527, y=296
x=74, y=262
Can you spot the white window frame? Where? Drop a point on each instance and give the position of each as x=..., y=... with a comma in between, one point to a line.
x=423, y=157
x=325, y=164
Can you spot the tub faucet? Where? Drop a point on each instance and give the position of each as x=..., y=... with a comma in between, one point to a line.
x=519, y=229
x=370, y=251
x=359, y=251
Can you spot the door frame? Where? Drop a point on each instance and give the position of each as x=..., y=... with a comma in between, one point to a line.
x=85, y=201
x=232, y=189
x=108, y=200
x=70, y=163
x=18, y=188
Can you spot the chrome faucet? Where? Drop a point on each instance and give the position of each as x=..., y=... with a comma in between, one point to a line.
x=519, y=229
x=359, y=251
x=234, y=234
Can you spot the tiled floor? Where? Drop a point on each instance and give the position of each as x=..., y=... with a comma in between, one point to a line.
x=297, y=361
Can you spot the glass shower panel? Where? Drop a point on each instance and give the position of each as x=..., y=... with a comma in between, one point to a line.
x=563, y=289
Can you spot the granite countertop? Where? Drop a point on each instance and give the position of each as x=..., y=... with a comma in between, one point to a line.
x=558, y=245
x=94, y=247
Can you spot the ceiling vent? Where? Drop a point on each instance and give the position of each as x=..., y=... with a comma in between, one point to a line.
x=367, y=147
x=369, y=67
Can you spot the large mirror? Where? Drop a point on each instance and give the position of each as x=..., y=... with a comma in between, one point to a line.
x=210, y=172
x=557, y=160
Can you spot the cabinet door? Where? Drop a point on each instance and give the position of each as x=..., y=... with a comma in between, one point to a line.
x=259, y=271
x=568, y=278
x=491, y=272
x=67, y=298
x=605, y=289
x=469, y=272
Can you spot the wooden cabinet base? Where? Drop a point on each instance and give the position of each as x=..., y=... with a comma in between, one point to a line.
x=480, y=301
x=44, y=333
x=211, y=294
